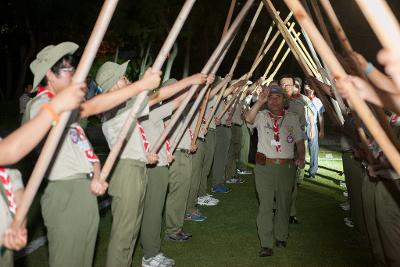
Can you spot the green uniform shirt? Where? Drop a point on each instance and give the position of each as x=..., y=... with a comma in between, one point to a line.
x=237, y=115
x=210, y=106
x=70, y=159
x=297, y=106
x=289, y=133
x=134, y=148
x=154, y=126
x=186, y=139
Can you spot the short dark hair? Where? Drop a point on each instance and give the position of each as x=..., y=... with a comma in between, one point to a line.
x=69, y=58
x=290, y=76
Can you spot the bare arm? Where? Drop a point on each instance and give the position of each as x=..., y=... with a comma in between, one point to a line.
x=20, y=142
x=301, y=154
x=170, y=90
x=107, y=101
x=379, y=79
x=321, y=125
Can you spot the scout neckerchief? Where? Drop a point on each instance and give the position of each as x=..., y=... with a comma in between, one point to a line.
x=6, y=182
x=393, y=119
x=44, y=91
x=146, y=143
x=167, y=145
x=85, y=146
x=276, y=126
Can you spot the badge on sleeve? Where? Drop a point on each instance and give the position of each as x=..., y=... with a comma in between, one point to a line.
x=290, y=139
x=74, y=136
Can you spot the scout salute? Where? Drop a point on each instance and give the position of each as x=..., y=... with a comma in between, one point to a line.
x=12, y=149
x=279, y=132
x=69, y=204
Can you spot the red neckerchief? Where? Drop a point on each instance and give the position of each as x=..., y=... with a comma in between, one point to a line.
x=42, y=90
x=6, y=181
x=146, y=143
x=393, y=119
x=85, y=145
x=167, y=145
x=311, y=97
x=275, y=119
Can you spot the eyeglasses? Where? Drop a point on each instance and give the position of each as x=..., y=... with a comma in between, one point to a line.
x=287, y=85
x=67, y=69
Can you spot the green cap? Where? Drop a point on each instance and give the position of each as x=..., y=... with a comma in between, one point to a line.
x=276, y=89
x=109, y=74
x=46, y=59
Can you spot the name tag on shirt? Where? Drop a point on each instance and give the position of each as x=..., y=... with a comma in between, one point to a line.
x=275, y=143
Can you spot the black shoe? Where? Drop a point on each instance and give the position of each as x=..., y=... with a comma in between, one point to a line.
x=280, y=244
x=180, y=237
x=293, y=220
x=265, y=252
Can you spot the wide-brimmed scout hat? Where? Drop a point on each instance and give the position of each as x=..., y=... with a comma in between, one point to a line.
x=109, y=73
x=47, y=57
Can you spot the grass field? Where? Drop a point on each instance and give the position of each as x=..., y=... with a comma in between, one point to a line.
x=229, y=236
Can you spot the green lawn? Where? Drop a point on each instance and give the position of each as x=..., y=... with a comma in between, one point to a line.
x=229, y=236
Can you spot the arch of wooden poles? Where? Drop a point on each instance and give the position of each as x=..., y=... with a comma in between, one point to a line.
x=318, y=74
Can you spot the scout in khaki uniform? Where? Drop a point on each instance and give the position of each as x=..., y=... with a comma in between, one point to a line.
x=234, y=147
x=381, y=191
x=129, y=179
x=180, y=176
x=158, y=177
x=279, y=132
x=301, y=106
x=223, y=140
x=13, y=148
x=69, y=204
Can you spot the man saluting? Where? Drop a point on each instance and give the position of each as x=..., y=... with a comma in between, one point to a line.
x=279, y=132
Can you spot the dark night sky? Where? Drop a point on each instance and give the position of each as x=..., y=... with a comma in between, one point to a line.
x=136, y=22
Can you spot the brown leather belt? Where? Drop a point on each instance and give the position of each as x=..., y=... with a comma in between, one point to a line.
x=261, y=159
x=187, y=151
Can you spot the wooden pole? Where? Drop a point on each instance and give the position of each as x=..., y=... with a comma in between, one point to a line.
x=349, y=50
x=272, y=76
x=383, y=22
x=206, y=69
x=275, y=56
x=182, y=127
x=225, y=81
x=141, y=98
x=297, y=54
x=296, y=36
x=231, y=71
x=56, y=133
x=229, y=17
x=321, y=23
x=338, y=72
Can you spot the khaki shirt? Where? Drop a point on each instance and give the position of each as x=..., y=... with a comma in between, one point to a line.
x=134, y=147
x=289, y=133
x=237, y=115
x=70, y=158
x=5, y=214
x=186, y=138
x=297, y=106
x=154, y=126
x=210, y=105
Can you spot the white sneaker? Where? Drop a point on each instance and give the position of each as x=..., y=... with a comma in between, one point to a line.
x=345, y=194
x=345, y=206
x=207, y=201
x=234, y=180
x=158, y=260
x=343, y=185
x=244, y=172
x=349, y=224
